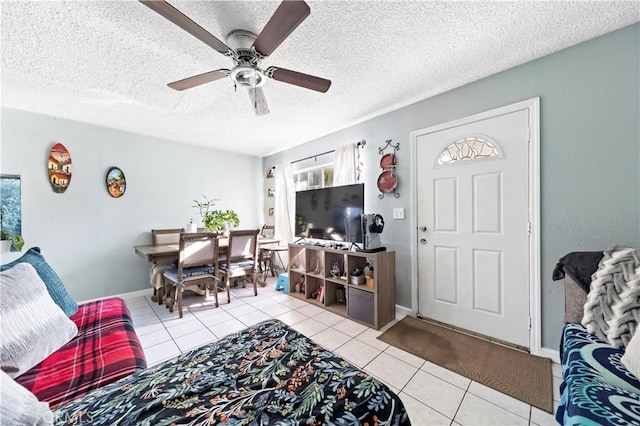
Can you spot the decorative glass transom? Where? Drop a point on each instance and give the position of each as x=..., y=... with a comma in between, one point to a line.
x=467, y=149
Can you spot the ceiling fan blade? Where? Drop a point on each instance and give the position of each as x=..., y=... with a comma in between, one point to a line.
x=286, y=18
x=197, y=80
x=299, y=79
x=258, y=100
x=184, y=22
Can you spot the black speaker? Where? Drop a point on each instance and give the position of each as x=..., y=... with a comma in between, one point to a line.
x=378, y=225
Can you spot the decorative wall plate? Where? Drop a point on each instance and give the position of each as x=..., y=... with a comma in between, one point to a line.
x=387, y=181
x=116, y=182
x=387, y=161
x=59, y=168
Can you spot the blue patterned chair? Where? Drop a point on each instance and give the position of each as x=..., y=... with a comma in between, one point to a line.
x=597, y=389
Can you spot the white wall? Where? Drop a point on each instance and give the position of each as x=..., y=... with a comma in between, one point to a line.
x=88, y=236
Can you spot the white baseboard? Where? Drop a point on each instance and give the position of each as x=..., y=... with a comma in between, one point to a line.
x=402, y=311
x=129, y=295
x=550, y=353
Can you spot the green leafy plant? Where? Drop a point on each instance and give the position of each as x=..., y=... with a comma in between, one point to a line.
x=204, y=206
x=219, y=220
x=16, y=239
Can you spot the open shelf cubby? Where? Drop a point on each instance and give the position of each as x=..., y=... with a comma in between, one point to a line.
x=371, y=303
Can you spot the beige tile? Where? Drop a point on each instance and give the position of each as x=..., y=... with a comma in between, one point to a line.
x=141, y=330
x=215, y=317
x=434, y=392
x=556, y=370
x=240, y=309
x=556, y=388
x=370, y=337
x=309, y=327
x=221, y=329
x=275, y=309
x=477, y=411
x=351, y=328
x=194, y=340
x=542, y=418
x=291, y=302
x=292, y=317
x=357, y=352
x=500, y=399
x=185, y=327
x=390, y=369
x=328, y=318
x=310, y=310
x=405, y=356
x=161, y=352
x=420, y=414
x=154, y=338
x=331, y=338
x=253, y=318
x=446, y=375
x=260, y=302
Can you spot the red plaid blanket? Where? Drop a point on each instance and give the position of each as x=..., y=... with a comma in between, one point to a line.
x=105, y=350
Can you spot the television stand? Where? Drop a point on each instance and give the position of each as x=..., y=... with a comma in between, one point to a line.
x=325, y=273
x=371, y=250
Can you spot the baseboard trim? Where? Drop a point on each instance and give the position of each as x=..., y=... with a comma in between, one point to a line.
x=550, y=353
x=402, y=311
x=129, y=295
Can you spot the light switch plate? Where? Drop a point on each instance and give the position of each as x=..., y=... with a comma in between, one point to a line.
x=398, y=213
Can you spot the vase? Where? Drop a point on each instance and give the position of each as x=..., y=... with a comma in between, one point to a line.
x=5, y=246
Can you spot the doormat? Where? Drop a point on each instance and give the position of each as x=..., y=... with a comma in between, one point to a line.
x=516, y=373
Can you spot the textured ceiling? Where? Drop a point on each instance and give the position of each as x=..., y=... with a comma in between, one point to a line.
x=108, y=62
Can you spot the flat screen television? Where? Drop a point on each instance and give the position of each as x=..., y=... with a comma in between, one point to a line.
x=333, y=213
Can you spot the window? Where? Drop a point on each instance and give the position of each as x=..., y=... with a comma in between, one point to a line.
x=314, y=178
x=467, y=149
x=10, y=204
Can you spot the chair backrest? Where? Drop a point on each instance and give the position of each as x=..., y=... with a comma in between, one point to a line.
x=268, y=231
x=242, y=244
x=198, y=249
x=166, y=236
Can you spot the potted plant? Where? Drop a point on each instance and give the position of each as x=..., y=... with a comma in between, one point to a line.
x=221, y=221
x=8, y=239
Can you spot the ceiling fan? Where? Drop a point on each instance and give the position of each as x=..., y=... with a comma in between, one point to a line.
x=247, y=50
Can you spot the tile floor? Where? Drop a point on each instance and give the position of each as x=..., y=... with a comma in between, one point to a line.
x=431, y=394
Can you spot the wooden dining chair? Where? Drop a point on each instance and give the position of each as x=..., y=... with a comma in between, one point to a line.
x=197, y=268
x=265, y=254
x=241, y=258
x=160, y=237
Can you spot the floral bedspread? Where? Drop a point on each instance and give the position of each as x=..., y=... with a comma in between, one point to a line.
x=265, y=374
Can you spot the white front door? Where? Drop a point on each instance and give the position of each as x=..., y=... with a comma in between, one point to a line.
x=473, y=226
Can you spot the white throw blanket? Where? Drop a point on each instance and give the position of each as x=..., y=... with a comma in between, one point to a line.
x=156, y=274
x=612, y=310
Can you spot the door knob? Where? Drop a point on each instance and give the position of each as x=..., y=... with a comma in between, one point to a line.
x=423, y=228
x=423, y=241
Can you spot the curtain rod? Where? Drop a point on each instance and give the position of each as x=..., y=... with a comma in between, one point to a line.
x=360, y=144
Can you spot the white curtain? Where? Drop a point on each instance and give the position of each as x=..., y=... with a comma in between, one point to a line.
x=285, y=203
x=345, y=165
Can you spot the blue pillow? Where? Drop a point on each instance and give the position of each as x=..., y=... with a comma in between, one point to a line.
x=54, y=284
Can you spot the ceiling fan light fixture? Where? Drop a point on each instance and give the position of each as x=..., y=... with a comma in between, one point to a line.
x=248, y=76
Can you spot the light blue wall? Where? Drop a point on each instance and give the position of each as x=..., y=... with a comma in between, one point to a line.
x=590, y=147
x=85, y=234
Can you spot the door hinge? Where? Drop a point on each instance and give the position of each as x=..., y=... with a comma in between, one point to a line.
x=529, y=323
x=528, y=228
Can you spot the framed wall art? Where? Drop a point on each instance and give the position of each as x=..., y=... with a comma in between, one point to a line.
x=59, y=168
x=116, y=182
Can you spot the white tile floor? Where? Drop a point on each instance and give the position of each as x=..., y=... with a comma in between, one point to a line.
x=432, y=394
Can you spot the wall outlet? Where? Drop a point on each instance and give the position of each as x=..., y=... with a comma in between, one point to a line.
x=398, y=213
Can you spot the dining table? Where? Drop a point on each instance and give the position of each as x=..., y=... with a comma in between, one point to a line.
x=170, y=252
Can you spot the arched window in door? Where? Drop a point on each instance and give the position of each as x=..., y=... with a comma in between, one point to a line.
x=466, y=149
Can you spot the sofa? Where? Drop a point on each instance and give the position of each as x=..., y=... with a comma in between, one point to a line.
x=600, y=349
x=55, y=348
x=266, y=374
